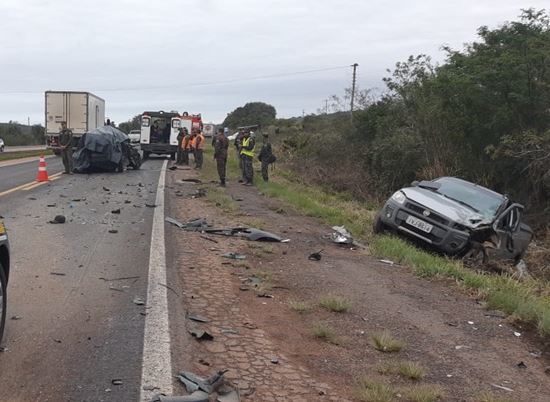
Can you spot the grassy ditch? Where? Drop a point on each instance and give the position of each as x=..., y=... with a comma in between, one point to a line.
x=526, y=301
x=6, y=156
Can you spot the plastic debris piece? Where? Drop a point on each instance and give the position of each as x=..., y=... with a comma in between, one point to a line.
x=471, y=322
x=389, y=262
x=518, y=334
x=234, y=256
x=502, y=387
x=315, y=256
x=201, y=335
x=341, y=235
x=58, y=219
x=197, y=318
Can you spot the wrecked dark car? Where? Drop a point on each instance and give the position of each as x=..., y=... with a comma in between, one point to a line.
x=4, y=275
x=458, y=218
x=105, y=149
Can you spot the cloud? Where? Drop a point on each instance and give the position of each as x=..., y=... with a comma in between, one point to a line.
x=141, y=55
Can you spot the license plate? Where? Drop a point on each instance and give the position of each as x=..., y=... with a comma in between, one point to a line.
x=420, y=224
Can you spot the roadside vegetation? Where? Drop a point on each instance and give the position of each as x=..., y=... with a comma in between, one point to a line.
x=6, y=156
x=335, y=304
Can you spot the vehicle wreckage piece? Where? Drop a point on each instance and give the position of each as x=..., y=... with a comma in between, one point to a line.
x=197, y=224
x=341, y=235
x=249, y=233
x=208, y=385
x=197, y=396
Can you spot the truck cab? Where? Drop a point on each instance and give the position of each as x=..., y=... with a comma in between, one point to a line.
x=159, y=133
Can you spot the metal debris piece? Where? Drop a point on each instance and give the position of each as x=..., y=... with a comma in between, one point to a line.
x=138, y=301
x=234, y=256
x=201, y=335
x=116, y=211
x=58, y=219
x=113, y=231
x=198, y=318
x=208, y=385
x=249, y=233
x=58, y=273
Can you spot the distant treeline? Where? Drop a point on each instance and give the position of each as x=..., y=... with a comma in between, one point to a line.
x=15, y=134
x=484, y=115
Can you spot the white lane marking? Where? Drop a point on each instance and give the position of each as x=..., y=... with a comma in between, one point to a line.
x=157, y=365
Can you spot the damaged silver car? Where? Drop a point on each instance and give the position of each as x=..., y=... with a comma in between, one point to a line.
x=457, y=217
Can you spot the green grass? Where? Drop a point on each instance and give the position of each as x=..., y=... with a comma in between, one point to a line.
x=528, y=300
x=325, y=333
x=411, y=370
x=6, y=156
x=385, y=342
x=372, y=391
x=336, y=304
x=424, y=393
x=300, y=306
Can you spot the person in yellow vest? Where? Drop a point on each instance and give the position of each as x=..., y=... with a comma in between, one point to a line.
x=199, y=147
x=247, y=154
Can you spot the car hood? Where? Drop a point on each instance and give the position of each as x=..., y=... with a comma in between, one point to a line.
x=446, y=207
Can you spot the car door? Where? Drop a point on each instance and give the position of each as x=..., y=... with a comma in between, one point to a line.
x=512, y=234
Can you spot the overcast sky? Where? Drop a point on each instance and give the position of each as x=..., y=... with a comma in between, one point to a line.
x=201, y=55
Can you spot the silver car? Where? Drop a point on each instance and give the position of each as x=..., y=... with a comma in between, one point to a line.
x=4, y=275
x=458, y=218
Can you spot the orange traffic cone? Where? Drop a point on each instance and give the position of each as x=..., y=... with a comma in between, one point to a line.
x=42, y=172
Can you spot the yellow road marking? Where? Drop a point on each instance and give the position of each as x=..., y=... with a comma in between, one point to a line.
x=28, y=186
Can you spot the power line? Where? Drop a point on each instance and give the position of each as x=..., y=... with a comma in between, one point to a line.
x=198, y=84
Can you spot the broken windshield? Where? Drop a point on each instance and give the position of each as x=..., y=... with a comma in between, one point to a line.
x=477, y=198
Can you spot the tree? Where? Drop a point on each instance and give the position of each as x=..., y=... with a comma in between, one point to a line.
x=250, y=114
x=133, y=124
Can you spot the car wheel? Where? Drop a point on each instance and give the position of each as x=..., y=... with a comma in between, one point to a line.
x=378, y=227
x=476, y=255
x=2, y=148
x=3, y=300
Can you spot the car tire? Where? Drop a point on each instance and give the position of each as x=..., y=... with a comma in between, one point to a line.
x=2, y=148
x=378, y=227
x=3, y=300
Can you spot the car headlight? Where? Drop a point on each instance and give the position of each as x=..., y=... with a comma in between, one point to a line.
x=399, y=197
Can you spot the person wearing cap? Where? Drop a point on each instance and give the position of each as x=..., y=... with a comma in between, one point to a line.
x=66, y=146
x=220, y=154
x=266, y=157
x=247, y=154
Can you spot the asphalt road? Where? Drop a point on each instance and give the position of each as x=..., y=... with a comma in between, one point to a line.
x=73, y=325
x=18, y=174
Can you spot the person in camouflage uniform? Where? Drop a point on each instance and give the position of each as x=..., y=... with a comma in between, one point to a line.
x=66, y=145
x=220, y=154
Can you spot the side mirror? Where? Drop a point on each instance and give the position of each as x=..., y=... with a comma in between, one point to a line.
x=414, y=183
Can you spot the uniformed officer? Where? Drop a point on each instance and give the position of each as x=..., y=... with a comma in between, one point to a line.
x=66, y=145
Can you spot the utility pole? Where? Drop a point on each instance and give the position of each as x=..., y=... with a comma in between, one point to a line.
x=354, y=65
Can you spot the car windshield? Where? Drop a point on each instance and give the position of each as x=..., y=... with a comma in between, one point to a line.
x=478, y=198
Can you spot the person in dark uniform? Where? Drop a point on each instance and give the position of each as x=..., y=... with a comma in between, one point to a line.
x=181, y=136
x=66, y=145
x=266, y=157
x=220, y=154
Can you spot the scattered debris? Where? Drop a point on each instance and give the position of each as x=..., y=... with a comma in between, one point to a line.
x=199, y=193
x=51, y=205
x=58, y=273
x=521, y=365
x=204, y=362
x=389, y=262
x=151, y=205
x=201, y=335
x=341, y=235
x=58, y=219
x=250, y=325
x=518, y=334
x=113, y=231
x=503, y=388
x=150, y=388
x=234, y=256
x=208, y=385
x=116, y=211
x=197, y=318
x=173, y=168
x=249, y=233
x=138, y=301
x=106, y=189
x=119, y=279
x=226, y=331
x=16, y=317
x=116, y=381
x=315, y=256
x=191, y=180
x=265, y=295
x=274, y=360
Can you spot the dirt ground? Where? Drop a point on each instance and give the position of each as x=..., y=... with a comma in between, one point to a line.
x=269, y=348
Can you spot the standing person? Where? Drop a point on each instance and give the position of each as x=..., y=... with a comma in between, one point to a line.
x=247, y=153
x=220, y=154
x=238, y=147
x=186, y=145
x=266, y=157
x=181, y=136
x=66, y=145
x=199, y=147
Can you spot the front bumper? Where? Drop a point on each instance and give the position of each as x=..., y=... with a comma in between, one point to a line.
x=445, y=235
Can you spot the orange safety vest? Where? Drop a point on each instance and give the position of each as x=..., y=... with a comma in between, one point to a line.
x=199, y=141
x=192, y=142
x=186, y=143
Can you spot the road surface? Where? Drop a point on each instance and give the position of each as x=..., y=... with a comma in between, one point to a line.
x=15, y=173
x=75, y=329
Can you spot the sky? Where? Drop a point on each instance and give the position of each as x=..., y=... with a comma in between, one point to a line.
x=211, y=56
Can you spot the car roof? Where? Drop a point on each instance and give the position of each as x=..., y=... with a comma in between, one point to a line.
x=469, y=184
